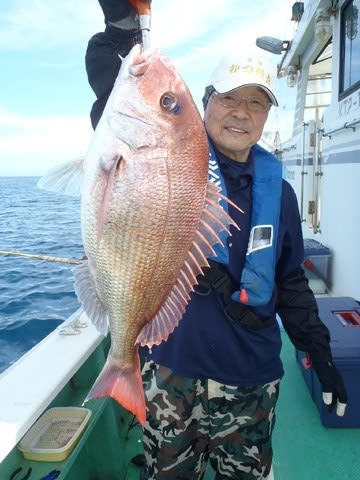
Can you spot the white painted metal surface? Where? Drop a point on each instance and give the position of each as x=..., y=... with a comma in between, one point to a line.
x=321, y=159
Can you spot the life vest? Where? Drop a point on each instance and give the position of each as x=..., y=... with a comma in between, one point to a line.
x=257, y=279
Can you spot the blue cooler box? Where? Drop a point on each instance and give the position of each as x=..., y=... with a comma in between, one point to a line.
x=316, y=258
x=342, y=317
x=316, y=263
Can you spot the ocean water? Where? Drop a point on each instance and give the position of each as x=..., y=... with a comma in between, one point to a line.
x=35, y=295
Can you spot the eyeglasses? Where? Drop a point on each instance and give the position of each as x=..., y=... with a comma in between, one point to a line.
x=253, y=104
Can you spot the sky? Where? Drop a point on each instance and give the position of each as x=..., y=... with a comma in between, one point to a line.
x=45, y=98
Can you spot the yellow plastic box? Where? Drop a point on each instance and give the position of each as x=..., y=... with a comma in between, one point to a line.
x=55, y=434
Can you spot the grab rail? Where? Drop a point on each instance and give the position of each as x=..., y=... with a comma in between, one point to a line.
x=346, y=125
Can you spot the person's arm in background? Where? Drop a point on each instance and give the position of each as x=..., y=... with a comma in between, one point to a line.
x=102, y=59
x=297, y=307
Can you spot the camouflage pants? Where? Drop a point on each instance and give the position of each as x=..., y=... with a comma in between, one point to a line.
x=191, y=422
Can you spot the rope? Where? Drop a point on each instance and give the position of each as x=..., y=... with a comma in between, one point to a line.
x=47, y=258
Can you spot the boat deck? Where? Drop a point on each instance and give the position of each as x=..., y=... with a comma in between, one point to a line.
x=304, y=448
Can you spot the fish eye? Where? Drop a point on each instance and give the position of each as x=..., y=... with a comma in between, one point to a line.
x=168, y=101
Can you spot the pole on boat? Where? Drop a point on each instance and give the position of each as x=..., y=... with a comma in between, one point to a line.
x=47, y=258
x=143, y=9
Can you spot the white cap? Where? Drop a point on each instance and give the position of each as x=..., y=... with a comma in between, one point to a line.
x=235, y=71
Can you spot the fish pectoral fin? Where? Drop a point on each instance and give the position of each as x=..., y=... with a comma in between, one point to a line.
x=123, y=384
x=64, y=178
x=214, y=220
x=87, y=294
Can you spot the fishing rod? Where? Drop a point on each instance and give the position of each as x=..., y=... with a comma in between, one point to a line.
x=47, y=258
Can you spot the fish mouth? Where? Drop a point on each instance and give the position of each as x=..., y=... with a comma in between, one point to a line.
x=141, y=61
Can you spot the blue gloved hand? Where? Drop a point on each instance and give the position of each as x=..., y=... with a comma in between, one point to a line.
x=333, y=388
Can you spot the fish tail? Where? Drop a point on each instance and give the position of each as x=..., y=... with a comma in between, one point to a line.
x=124, y=384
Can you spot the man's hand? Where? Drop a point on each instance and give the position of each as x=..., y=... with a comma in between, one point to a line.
x=334, y=392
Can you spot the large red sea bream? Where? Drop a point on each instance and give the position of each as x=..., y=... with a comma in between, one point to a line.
x=149, y=217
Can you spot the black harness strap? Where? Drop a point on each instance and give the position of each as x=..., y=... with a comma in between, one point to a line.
x=217, y=278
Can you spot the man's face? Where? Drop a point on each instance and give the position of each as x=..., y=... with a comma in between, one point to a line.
x=235, y=130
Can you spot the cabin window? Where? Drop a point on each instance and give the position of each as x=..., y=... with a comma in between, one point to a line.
x=318, y=90
x=350, y=48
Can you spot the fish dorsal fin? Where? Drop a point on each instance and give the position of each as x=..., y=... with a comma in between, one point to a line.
x=214, y=219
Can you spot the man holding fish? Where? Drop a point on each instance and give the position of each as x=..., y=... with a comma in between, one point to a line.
x=212, y=378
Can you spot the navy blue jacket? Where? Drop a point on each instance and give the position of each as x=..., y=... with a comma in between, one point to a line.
x=207, y=344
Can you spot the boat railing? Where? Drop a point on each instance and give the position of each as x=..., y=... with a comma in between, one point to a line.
x=346, y=125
